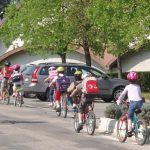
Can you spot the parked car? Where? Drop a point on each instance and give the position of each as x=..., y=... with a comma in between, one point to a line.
x=34, y=75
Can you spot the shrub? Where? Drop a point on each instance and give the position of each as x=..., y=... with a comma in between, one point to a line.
x=145, y=114
x=114, y=111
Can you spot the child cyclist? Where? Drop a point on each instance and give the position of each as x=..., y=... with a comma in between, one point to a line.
x=52, y=73
x=61, y=75
x=133, y=92
x=17, y=79
x=78, y=80
x=83, y=102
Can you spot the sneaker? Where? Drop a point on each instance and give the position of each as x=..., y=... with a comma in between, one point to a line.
x=129, y=134
x=74, y=105
x=80, y=126
x=50, y=104
x=58, y=108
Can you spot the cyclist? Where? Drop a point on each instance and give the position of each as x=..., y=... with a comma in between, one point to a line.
x=61, y=71
x=6, y=74
x=52, y=73
x=83, y=102
x=78, y=80
x=17, y=79
x=133, y=91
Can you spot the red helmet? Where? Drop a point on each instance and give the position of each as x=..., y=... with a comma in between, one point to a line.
x=16, y=67
x=132, y=76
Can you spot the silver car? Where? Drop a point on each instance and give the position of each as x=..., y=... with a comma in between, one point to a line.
x=34, y=75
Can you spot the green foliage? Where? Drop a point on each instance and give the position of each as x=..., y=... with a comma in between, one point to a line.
x=145, y=114
x=114, y=111
x=121, y=22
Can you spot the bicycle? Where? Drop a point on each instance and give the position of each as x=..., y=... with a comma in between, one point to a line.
x=88, y=118
x=139, y=127
x=6, y=95
x=19, y=96
x=63, y=105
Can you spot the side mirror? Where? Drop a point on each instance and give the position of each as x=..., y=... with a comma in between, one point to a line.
x=104, y=76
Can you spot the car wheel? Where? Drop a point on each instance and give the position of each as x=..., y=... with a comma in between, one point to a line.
x=117, y=93
x=41, y=97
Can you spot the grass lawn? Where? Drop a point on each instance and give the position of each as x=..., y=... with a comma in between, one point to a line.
x=146, y=95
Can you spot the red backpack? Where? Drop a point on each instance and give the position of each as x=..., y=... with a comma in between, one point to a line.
x=90, y=86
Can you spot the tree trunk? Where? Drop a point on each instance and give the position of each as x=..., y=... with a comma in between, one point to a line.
x=87, y=53
x=119, y=67
x=63, y=57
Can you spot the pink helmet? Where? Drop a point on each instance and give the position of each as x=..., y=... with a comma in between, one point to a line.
x=132, y=76
x=16, y=67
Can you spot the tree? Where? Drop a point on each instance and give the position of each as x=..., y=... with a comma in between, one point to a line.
x=123, y=22
x=42, y=25
x=88, y=35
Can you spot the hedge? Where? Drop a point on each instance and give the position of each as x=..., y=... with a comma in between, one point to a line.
x=114, y=111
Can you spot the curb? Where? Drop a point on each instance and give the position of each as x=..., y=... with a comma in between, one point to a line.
x=108, y=126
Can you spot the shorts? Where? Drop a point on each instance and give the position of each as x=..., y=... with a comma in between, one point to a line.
x=84, y=102
x=133, y=106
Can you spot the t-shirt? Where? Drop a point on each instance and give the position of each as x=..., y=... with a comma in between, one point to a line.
x=7, y=72
x=16, y=73
x=133, y=92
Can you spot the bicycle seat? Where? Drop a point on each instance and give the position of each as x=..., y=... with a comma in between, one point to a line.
x=137, y=111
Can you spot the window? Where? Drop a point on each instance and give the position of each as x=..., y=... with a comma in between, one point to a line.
x=44, y=71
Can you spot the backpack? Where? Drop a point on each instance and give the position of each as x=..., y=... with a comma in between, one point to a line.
x=90, y=85
x=16, y=77
x=62, y=83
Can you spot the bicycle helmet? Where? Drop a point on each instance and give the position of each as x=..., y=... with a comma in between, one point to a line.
x=16, y=67
x=7, y=63
x=52, y=68
x=60, y=69
x=78, y=75
x=86, y=74
x=78, y=72
x=132, y=76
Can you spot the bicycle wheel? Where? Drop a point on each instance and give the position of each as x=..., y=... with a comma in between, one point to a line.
x=122, y=129
x=20, y=100
x=15, y=102
x=7, y=97
x=76, y=123
x=91, y=123
x=64, y=106
x=141, y=132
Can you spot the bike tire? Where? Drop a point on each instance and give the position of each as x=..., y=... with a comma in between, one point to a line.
x=21, y=100
x=76, y=123
x=15, y=102
x=64, y=106
x=91, y=123
x=141, y=132
x=58, y=112
x=122, y=126
x=7, y=97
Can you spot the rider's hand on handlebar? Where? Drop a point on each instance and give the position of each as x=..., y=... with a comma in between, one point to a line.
x=118, y=102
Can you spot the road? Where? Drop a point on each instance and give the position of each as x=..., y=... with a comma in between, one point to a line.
x=36, y=127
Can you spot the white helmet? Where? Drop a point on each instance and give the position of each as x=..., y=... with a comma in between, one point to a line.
x=86, y=74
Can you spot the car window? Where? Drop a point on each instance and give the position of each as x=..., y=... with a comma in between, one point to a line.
x=71, y=70
x=44, y=71
x=96, y=73
x=28, y=70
